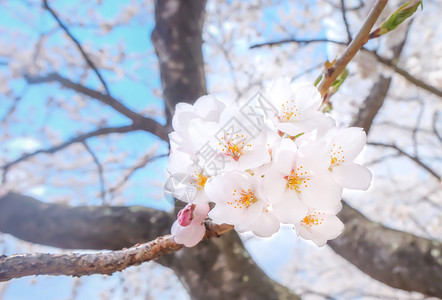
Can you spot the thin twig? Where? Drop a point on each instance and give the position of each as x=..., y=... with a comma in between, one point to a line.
x=414, y=158
x=140, y=164
x=77, y=43
x=77, y=139
x=344, y=17
x=100, y=171
x=435, y=117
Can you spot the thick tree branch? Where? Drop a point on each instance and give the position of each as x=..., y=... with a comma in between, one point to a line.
x=74, y=264
x=372, y=104
x=77, y=43
x=147, y=124
x=177, y=38
x=396, y=258
x=83, y=227
x=221, y=268
x=20, y=265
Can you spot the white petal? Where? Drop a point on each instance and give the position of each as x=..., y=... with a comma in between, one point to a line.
x=202, y=136
x=179, y=162
x=280, y=91
x=307, y=97
x=254, y=158
x=330, y=228
x=291, y=210
x=283, y=155
x=190, y=235
x=209, y=108
x=314, y=157
x=267, y=225
x=180, y=186
x=322, y=192
x=352, y=140
x=275, y=186
x=200, y=212
x=352, y=176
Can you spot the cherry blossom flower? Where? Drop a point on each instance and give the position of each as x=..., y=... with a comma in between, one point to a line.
x=207, y=108
x=287, y=167
x=298, y=109
x=345, y=145
x=234, y=148
x=189, y=228
x=299, y=178
x=320, y=226
x=238, y=199
x=187, y=179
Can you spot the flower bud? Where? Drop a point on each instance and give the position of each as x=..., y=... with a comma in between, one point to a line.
x=185, y=216
x=396, y=18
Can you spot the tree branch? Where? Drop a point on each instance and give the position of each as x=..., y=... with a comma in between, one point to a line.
x=387, y=62
x=20, y=265
x=356, y=44
x=147, y=124
x=414, y=158
x=77, y=43
x=372, y=104
x=74, y=264
x=399, y=259
x=407, y=75
x=344, y=18
x=82, y=227
x=99, y=170
x=181, y=65
x=78, y=139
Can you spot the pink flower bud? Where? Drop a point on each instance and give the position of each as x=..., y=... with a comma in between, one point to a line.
x=185, y=216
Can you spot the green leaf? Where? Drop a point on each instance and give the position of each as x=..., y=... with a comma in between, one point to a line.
x=399, y=16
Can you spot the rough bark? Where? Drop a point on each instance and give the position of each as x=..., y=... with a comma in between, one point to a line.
x=178, y=41
x=75, y=264
x=223, y=269
x=223, y=265
x=84, y=227
x=372, y=104
x=396, y=258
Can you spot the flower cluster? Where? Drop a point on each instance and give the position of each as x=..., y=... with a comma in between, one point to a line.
x=272, y=159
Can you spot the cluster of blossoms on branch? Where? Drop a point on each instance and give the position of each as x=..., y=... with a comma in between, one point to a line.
x=273, y=158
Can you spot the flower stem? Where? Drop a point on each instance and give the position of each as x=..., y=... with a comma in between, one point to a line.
x=356, y=44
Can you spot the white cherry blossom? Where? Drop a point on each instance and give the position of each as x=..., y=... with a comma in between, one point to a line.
x=227, y=148
x=320, y=226
x=186, y=180
x=345, y=145
x=297, y=109
x=299, y=178
x=207, y=108
x=238, y=199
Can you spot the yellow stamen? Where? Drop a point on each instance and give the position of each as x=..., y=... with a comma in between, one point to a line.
x=297, y=179
x=313, y=219
x=246, y=198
